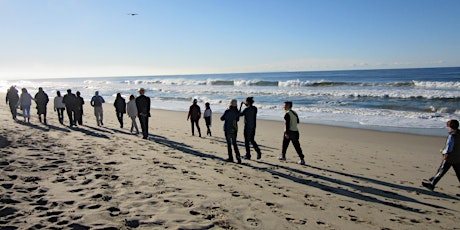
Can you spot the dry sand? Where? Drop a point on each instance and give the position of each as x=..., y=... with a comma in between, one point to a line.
x=91, y=177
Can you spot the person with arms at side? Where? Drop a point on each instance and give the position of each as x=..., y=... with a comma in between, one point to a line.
x=291, y=132
x=131, y=109
x=59, y=107
x=120, y=108
x=24, y=103
x=231, y=117
x=143, y=112
x=71, y=104
x=41, y=99
x=12, y=99
x=96, y=102
x=79, y=111
x=250, y=117
x=450, y=156
x=208, y=117
x=194, y=114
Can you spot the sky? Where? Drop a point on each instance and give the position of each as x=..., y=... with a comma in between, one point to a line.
x=97, y=38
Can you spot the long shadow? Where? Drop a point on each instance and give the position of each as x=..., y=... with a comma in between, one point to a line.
x=182, y=147
x=96, y=129
x=344, y=192
x=240, y=143
x=91, y=133
x=31, y=125
x=119, y=131
x=4, y=142
x=59, y=128
x=384, y=183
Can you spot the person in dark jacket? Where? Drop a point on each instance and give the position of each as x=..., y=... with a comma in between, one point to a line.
x=12, y=98
x=143, y=110
x=291, y=132
x=250, y=117
x=194, y=114
x=79, y=111
x=41, y=99
x=450, y=156
x=71, y=105
x=120, y=108
x=231, y=117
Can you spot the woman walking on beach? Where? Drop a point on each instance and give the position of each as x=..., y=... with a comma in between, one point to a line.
x=194, y=114
x=12, y=99
x=41, y=99
x=131, y=109
x=450, y=156
x=291, y=132
x=25, y=101
x=120, y=108
x=59, y=107
x=231, y=117
x=208, y=118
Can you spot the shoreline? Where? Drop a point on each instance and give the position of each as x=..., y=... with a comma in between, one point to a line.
x=87, y=177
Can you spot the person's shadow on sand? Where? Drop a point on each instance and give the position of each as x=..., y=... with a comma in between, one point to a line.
x=4, y=142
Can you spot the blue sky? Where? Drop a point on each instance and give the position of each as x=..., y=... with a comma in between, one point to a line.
x=86, y=38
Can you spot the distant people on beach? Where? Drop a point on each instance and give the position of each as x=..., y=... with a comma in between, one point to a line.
x=450, y=156
x=12, y=98
x=231, y=117
x=291, y=133
x=120, y=108
x=25, y=101
x=41, y=99
x=250, y=117
x=59, y=107
x=96, y=102
x=194, y=114
x=79, y=111
x=71, y=105
x=208, y=118
x=131, y=110
x=143, y=109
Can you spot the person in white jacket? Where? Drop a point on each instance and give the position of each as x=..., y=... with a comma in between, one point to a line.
x=131, y=110
x=59, y=107
x=24, y=103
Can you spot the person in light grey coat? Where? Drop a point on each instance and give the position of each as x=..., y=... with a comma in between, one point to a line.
x=131, y=110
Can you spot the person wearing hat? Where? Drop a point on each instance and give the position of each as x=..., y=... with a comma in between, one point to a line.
x=250, y=116
x=194, y=114
x=231, y=117
x=291, y=132
x=143, y=111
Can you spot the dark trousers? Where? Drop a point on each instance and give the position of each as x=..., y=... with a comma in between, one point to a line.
x=294, y=137
x=443, y=168
x=249, y=135
x=144, y=120
x=231, y=141
x=120, y=119
x=195, y=122
x=79, y=116
x=60, y=112
x=72, y=116
x=14, y=110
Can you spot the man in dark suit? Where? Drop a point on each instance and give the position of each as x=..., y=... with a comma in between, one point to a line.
x=143, y=109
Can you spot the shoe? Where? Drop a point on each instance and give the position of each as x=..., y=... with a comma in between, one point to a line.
x=246, y=157
x=281, y=158
x=301, y=162
x=428, y=185
x=259, y=155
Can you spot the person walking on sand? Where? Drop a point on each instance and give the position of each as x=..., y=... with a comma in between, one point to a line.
x=12, y=99
x=59, y=107
x=131, y=110
x=450, y=156
x=24, y=103
x=231, y=117
x=143, y=112
x=120, y=108
x=208, y=118
x=79, y=111
x=96, y=102
x=71, y=105
x=250, y=117
x=41, y=99
x=194, y=114
x=291, y=132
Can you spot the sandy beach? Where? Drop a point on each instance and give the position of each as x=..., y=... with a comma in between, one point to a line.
x=91, y=177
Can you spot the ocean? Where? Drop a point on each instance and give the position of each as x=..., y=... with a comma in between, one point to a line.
x=416, y=101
